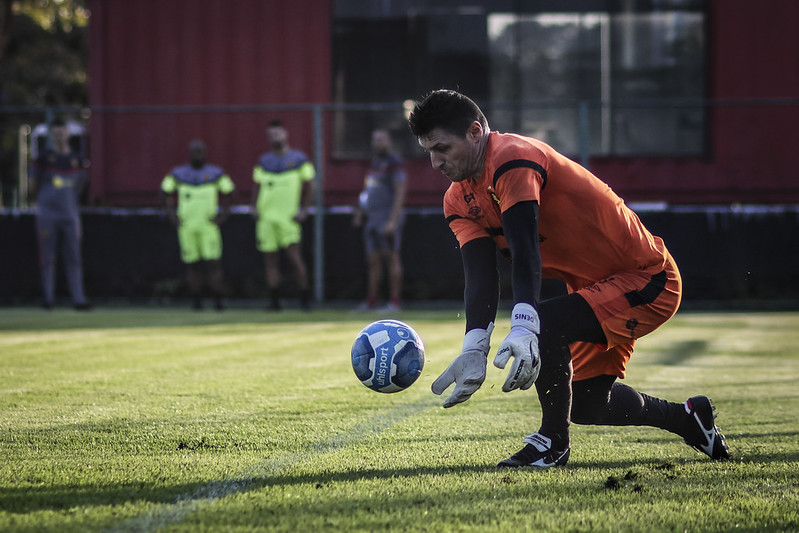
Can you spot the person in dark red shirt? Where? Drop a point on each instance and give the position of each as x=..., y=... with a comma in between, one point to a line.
x=553, y=218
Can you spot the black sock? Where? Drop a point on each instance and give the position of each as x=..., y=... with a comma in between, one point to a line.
x=555, y=394
x=628, y=407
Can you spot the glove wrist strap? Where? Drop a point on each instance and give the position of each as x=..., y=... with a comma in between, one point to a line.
x=478, y=339
x=524, y=315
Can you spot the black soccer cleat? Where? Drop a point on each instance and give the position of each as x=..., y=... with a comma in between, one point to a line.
x=710, y=441
x=538, y=453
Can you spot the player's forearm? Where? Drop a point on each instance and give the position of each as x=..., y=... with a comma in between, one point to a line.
x=481, y=292
x=520, y=224
x=307, y=196
x=225, y=201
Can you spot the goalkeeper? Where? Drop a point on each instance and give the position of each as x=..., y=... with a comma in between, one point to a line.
x=554, y=219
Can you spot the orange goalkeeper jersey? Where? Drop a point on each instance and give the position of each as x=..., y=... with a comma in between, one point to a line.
x=586, y=232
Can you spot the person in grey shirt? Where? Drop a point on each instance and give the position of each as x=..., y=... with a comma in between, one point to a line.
x=381, y=203
x=57, y=178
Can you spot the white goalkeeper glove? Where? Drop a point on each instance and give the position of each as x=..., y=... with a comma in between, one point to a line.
x=467, y=370
x=521, y=344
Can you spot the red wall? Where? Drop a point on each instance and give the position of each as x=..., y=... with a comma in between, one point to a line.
x=203, y=53
x=198, y=53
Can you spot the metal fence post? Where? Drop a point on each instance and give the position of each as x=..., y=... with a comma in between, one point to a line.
x=319, y=163
x=20, y=199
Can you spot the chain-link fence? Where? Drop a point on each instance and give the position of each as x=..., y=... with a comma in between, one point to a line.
x=733, y=151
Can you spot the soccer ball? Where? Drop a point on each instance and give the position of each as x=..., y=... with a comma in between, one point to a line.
x=388, y=356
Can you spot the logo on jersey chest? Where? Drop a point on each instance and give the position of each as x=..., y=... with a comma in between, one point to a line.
x=474, y=208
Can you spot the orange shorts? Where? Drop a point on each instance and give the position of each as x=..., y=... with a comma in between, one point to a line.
x=628, y=305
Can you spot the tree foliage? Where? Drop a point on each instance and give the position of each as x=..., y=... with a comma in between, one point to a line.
x=44, y=56
x=43, y=63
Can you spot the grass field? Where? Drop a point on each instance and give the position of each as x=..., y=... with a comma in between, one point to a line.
x=167, y=420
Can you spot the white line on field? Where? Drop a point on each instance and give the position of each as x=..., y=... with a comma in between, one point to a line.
x=188, y=503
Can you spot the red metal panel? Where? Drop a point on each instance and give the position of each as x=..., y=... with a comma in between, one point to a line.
x=198, y=53
x=250, y=52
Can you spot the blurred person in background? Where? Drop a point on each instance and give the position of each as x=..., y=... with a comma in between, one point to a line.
x=58, y=177
x=281, y=197
x=203, y=194
x=380, y=213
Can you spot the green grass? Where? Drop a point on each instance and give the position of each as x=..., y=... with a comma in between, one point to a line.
x=156, y=419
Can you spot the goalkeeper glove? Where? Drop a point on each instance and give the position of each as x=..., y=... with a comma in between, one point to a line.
x=521, y=344
x=467, y=370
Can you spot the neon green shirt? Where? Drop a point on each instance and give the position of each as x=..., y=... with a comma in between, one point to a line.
x=198, y=191
x=280, y=180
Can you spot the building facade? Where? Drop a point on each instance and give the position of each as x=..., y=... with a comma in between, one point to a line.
x=675, y=101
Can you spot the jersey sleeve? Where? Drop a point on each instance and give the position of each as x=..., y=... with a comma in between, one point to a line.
x=169, y=184
x=520, y=173
x=259, y=174
x=225, y=184
x=307, y=171
x=519, y=184
x=462, y=227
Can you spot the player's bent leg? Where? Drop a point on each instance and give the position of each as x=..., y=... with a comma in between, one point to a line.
x=604, y=401
x=564, y=320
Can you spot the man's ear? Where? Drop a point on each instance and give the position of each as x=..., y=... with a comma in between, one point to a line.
x=475, y=131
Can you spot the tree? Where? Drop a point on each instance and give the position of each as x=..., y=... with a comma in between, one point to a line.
x=43, y=64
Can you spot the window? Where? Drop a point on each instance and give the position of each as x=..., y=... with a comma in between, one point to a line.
x=640, y=76
x=616, y=77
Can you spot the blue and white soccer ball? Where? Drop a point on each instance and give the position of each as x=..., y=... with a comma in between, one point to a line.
x=388, y=356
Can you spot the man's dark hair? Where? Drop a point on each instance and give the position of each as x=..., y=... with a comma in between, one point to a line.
x=277, y=123
x=57, y=122
x=449, y=110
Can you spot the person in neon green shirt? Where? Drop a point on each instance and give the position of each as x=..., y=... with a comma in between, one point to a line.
x=203, y=194
x=281, y=197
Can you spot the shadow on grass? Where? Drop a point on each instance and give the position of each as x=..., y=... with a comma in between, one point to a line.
x=26, y=499
x=33, y=319
x=677, y=353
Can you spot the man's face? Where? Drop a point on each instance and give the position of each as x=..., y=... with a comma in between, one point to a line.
x=278, y=136
x=59, y=134
x=380, y=142
x=450, y=154
x=197, y=153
